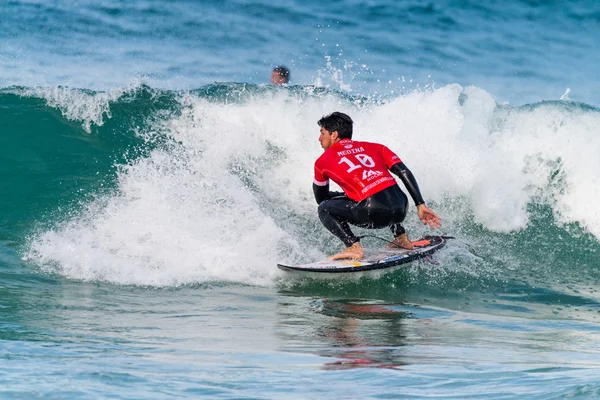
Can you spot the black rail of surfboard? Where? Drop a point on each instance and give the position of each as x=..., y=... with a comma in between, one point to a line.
x=408, y=257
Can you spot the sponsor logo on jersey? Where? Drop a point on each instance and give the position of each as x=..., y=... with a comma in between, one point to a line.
x=370, y=174
x=377, y=182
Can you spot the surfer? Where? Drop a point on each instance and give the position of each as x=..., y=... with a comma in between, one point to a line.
x=371, y=198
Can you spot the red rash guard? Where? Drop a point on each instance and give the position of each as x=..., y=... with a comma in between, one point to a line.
x=361, y=169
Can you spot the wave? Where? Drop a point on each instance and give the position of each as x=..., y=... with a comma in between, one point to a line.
x=153, y=187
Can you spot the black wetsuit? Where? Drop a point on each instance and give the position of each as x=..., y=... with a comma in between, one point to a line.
x=385, y=208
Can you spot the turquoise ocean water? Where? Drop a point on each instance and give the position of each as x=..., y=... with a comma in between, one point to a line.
x=151, y=179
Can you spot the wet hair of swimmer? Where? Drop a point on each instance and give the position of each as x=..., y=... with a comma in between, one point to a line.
x=283, y=72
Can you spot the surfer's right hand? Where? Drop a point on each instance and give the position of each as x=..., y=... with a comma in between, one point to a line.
x=428, y=217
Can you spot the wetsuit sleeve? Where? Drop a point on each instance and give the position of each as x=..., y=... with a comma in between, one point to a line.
x=409, y=181
x=321, y=192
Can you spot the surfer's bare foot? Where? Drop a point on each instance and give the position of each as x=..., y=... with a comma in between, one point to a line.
x=354, y=252
x=401, y=242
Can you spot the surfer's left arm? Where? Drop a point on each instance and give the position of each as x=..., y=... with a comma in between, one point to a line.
x=425, y=214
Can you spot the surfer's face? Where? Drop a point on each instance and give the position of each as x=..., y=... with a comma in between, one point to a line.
x=327, y=138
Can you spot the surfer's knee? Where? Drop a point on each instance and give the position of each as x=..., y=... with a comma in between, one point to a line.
x=322, y=210
x=326, y=210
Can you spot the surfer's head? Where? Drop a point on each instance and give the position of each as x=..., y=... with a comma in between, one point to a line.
x=337, y=122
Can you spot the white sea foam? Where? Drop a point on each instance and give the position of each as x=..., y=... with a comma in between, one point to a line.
x=217, y=206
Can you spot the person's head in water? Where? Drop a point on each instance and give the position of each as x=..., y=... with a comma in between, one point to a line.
x=337, y=121
x=280, y=75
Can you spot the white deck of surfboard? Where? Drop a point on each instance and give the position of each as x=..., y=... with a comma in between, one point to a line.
x=374, y=259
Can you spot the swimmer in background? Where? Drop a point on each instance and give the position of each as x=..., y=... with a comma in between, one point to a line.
x=280, y=75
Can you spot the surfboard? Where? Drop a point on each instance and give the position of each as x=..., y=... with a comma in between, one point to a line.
x=374, y=259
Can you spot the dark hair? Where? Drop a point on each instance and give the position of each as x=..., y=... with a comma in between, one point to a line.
x=337, y=121
x=283, y=72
